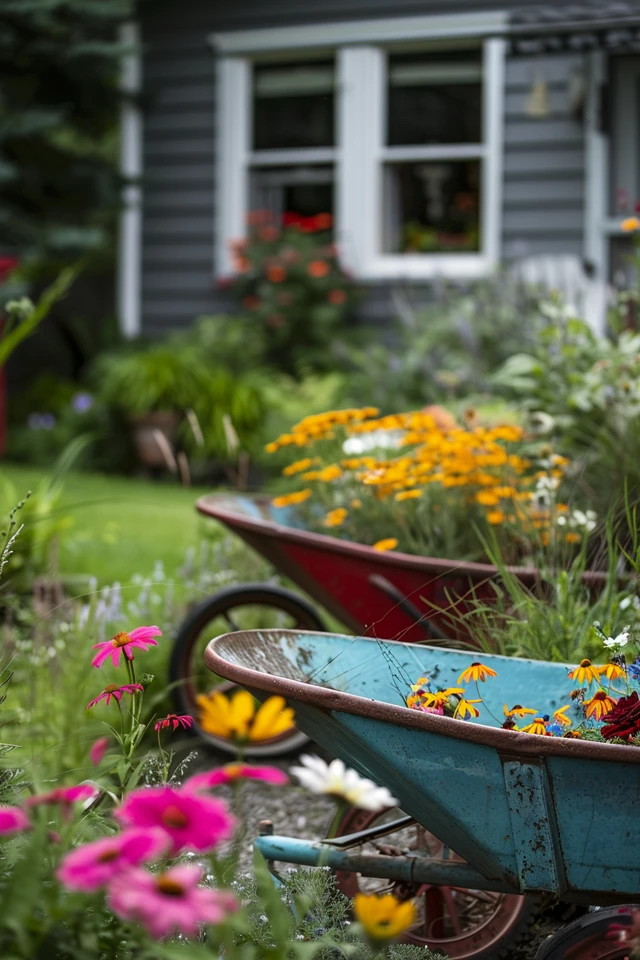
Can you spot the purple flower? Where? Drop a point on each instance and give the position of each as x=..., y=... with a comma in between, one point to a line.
x=47, y=421
x=82, y=402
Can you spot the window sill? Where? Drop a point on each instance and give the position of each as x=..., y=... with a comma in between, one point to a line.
x=426, y=267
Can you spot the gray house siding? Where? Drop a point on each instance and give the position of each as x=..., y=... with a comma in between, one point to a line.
x=543, y=163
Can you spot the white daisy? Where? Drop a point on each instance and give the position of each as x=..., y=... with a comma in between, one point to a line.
x=336, y=780
x=621, y=640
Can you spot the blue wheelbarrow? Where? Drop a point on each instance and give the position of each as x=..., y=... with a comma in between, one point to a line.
x=528, y=816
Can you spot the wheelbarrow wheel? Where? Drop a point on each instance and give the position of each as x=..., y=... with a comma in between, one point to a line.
x=247, y=606
x=606, y=934
x=461, y=924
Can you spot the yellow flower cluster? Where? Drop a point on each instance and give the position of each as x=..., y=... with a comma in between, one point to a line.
x=428, y=450
x=320, y=426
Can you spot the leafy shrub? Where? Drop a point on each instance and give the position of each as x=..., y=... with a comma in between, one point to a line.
x=289, y=281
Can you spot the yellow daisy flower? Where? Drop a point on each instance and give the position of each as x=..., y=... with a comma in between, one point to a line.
x=612, y=671
x=585, y=673
x=239, y=717
x=518, y=711
x=560, y=716
x=477, y=671
x=383, y=917
x=388, y=543
x=599, y=706
x=291, y=499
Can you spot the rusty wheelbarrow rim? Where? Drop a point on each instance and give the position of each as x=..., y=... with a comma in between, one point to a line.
x=506, y=742
x=217, y=506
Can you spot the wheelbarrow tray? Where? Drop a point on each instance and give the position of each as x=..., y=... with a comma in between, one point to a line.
x=535, y=814
x=382, y=594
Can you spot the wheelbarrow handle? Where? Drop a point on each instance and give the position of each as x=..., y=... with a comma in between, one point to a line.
x=390, y=590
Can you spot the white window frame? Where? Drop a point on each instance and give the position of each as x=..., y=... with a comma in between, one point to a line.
x=360, y=48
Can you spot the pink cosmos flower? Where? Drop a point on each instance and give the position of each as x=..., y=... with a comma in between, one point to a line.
x=64, y=796
x=192, y=822
x=113, y=690
x=97, y=751
x=94, y=865
x=185, y=722
x=13, y=820
x=141, y=637
x=170, y=902
x=235, y=771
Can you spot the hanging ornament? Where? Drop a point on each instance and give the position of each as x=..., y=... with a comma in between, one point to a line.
x=537, y=104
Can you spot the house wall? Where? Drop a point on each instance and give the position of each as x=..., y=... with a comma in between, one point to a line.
x=543, y=157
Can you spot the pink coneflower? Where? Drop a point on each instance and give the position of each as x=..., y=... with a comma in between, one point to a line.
x=174, y=720
x=141, y=637
x=94, y=865
x=235, y=771
x=13, y=820
x=170, y=902
x=64, y=796
x=97, y=751
x=192, y=822
x=113, y=690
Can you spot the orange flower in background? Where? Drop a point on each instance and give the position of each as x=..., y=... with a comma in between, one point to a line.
x=612, y=671
x=241, y=265
x=388, y=543
x=291, y=499
x=323, y=221
x=573, y=538
x=408, y=495
x=335, y=518
x=630, y=224
x=276, y=273
x=336, y=297
x=318, y=268
x=496, y=517
x=298, y=466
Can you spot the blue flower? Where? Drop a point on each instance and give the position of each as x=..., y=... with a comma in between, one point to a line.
x=633, y=670
x=82, y=402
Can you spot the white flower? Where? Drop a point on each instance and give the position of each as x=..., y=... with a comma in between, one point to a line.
x=336, y=780
x=541, y=422
x=627, y=601
x=621, y=640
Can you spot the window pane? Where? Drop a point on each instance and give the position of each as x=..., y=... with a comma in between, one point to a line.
x=434, y=98
x=297, y=191
x=432, y=207
x=293, y=106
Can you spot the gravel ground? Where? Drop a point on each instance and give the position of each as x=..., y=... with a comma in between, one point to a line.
x=296, y=812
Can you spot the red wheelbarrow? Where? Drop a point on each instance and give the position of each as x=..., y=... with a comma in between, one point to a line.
x=384, y=595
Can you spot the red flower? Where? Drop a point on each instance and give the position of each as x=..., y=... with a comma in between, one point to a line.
x=251, y=302
x=268, y=234
x=323, y=221
x=258, y=218
x=290, y=219
x=318, y=268
x=336, y=297
x=7, y=265
x=276, y=273
x=173, y=719
x=624, y=720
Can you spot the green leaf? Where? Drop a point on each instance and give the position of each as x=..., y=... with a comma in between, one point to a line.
x=24, y=890
x=280, y=918
x=50, y=296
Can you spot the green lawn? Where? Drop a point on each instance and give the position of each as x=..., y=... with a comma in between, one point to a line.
x=119, y=526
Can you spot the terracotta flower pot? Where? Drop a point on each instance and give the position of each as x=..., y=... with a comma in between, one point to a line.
x=146, y=428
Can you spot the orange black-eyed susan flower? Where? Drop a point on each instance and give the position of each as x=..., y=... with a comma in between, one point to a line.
x=538, y=727
x=585, y=672
x=477, y=671
x=518, y=711
x=599, y=705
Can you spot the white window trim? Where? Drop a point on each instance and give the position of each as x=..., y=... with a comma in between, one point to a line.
x=129, y=272
x=359, y=152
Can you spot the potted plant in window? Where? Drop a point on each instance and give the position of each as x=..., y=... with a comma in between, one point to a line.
x=152, y=387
